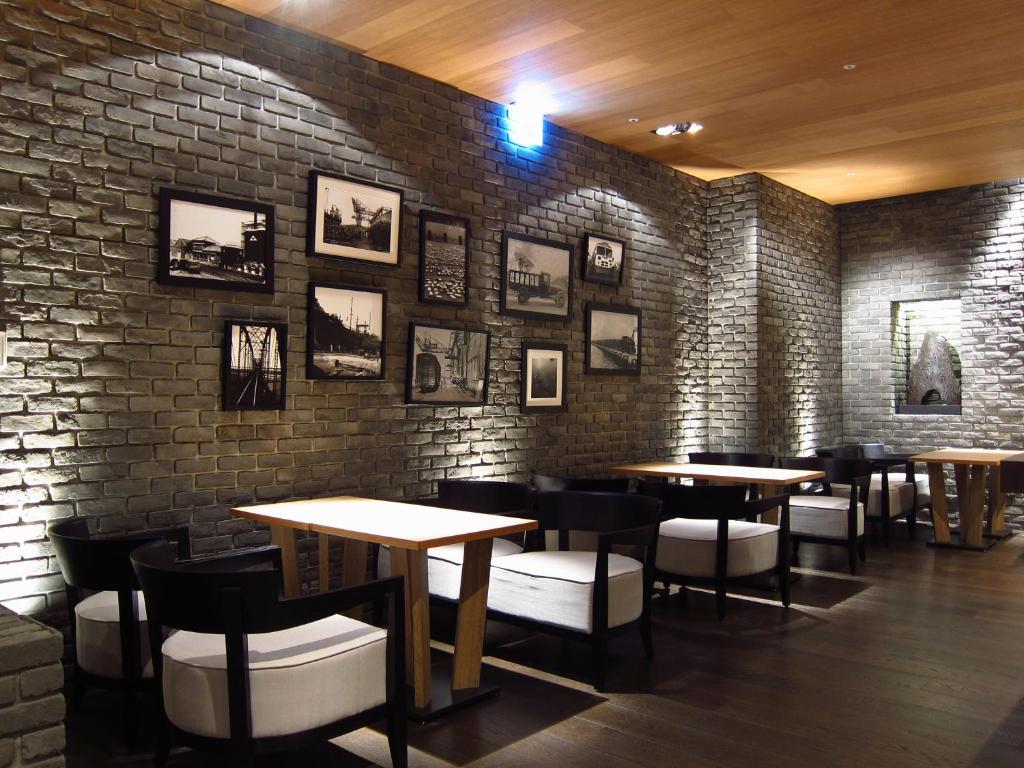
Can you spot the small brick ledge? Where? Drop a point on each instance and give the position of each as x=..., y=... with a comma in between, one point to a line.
x=31, y=701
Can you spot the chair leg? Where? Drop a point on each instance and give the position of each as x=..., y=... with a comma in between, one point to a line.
x=912, y=524
x=862, y=550
x=851, y=549
x=398, y=740
x=600, y=663
x=645, y=635
x=886, y=528
x=720, y=602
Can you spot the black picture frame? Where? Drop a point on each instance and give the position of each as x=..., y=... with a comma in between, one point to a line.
x=198, y=247
x=444, y=252
x=335, y=224
x=616, y=350
x=255, y=365
x=543, y=380
x=346, y=332
x=598, y=248
x=434, y=367
x=523, y=278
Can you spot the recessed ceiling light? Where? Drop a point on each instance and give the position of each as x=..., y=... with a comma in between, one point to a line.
x=673, y=129
x=633, y=120
x=851, y=173
x=849, y=67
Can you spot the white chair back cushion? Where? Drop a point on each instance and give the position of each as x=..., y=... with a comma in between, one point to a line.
x=300, y=678
x=557, y=588
x=924, y=491
x=901, y=495
x=444, y=565
x=823, y=516
x=686, y=547
x=98, y=635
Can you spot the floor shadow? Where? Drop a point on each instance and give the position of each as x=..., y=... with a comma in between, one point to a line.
x=1004, y=746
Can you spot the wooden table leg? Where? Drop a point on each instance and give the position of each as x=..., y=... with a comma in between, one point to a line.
x=996, y=519
x=972, y=505
x=325, y=562
x=285, y=538
x=412, y=564
x=472, y=618
x=771, y=516
x=940, y=503
x=353, y=564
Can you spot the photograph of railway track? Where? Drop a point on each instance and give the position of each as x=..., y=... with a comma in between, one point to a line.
x=254, y=365
x=215, y=242
x=346, y=332
x=613, y=339
x=536, y=277
x=444, y=258
x=447, y=366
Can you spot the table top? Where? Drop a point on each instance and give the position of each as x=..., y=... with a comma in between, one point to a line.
x=397, y=524
x=760, y=475
x=965, y=456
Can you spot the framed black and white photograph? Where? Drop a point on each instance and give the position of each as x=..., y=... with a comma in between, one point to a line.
x=352, y=219
x=613, y=339
x=543, y=382
x=536, y=277
x=447, y=366
x=604, y=259
x=215, y=242
x=346, y=332
x=254, y=365
x=444, y=259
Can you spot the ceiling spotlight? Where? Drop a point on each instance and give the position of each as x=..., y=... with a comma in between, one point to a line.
x=674, y=129
x=849, y=67
x=851, y=173
x=633, y=120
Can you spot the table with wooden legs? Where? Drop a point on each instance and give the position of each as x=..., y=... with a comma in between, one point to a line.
x=409, y=530
x=974, y=469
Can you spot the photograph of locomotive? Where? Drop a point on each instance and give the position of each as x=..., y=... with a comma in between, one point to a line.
x=447, y=366
x=215, y=242
x=346, y=332
x=536, y=277
x=353, y=219
x=613, y=339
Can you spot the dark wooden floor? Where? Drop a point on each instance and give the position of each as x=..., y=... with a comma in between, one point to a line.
x=917, y=662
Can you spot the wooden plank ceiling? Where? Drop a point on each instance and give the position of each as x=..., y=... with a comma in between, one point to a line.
x=935, y=101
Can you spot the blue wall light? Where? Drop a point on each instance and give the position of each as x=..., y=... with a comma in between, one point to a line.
x=526, y=116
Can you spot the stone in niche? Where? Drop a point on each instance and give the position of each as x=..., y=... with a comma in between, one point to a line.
x=933, y=378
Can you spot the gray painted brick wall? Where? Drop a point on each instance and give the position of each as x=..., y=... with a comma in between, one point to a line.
x=110, y=406
x=964, y=243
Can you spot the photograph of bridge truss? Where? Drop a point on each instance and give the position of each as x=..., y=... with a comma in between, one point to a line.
x=447, y=366
x=254, y=365
x=208, y=241
x=352, y=219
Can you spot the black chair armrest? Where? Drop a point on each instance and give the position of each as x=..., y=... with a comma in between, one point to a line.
x=639, y=535
x=292, y=612
x=258, y=558
x=177, y=534
x=760, y=506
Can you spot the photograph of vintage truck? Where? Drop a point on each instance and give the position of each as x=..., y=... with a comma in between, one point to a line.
x=536, y=277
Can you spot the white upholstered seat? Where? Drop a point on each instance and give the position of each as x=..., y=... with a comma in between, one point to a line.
x=924, y=492
x=98, y=635
x=901, y=495
x=557, y=588
x=444, y=565
x=822, y=516
x=687, y=547
x=300, y=678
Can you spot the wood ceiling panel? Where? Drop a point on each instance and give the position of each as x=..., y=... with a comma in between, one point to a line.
x=936, y=100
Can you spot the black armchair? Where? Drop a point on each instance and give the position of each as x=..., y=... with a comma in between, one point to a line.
x=248, y=671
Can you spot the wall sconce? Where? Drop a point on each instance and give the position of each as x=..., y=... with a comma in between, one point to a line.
x=525, y=124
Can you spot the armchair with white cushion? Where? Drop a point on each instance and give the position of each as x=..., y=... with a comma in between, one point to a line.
x=247, y=671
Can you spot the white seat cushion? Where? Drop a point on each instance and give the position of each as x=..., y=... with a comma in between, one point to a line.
x=901, y=495
x=444, y=565
x=823, y=516
x=687, y=547
x=557, y=588
x=299, y=678
x=98, y=635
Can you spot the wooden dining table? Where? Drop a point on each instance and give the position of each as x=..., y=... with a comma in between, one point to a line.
x=770, y=477
x=973, y=470
x=409, y=530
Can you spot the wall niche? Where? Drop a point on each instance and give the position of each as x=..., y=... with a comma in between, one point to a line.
x=926, y=356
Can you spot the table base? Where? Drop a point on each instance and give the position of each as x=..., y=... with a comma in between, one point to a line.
x=443, y=700
x=985, y=546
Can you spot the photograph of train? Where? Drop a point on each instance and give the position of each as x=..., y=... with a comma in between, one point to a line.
x=613, y=339
x=444, y=258
x=536, y=277
x=254, y=365
x=353, y=219
x=216, y=242
x=447, y=366
x=346, y=332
